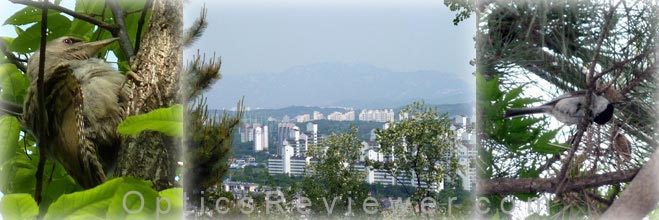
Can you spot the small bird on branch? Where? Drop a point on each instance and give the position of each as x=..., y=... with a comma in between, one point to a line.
x=570, y=108
x=85, y=101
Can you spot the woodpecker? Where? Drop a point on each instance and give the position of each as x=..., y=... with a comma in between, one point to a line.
x=85, y=100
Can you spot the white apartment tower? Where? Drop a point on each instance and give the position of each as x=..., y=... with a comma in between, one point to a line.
x=254, y=132
x=318, y=116
x=258, y=139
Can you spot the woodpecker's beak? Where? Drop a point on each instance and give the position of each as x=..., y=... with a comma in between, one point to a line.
x=92, y=48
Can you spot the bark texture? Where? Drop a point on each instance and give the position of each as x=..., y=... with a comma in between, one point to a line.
x=151, y=155
x=641, y=196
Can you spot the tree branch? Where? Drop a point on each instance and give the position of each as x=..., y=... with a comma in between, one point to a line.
x=87, y=18
x=621, y=64
x=10, y=108
x=549, y=162
x=124, y=40
x=12, y=58
x=641, y=196
x=597, y=198
x=590, y=85
x=140, y=25
x=536, y=185
x=41, y=113
x=640, y=77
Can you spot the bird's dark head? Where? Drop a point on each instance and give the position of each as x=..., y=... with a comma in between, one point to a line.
x=604, y=116
x=72, y=48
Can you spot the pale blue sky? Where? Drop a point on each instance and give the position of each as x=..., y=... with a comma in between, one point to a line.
x=267, y=36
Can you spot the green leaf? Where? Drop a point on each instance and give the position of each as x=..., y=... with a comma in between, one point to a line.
x=175, y=198
x=28, y=41
x=513, y=93
x=13, y=84
x=18, y=170
x=18, y=31
x=132, y=5
x=550, y=148
x=18, y=206
x=166, y=120
x=81, y=29
x=119, y=198
x=25, y=16
x=9, y=130
x=90, y=7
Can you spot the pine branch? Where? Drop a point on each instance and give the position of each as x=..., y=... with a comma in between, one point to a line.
x=641, y=77
x=622, y=64
x=198, y=27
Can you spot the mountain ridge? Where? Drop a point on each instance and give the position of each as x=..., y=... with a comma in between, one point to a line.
x=341, y=84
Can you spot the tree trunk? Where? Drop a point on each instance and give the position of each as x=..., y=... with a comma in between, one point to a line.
x=641, y=196
x=152, y=155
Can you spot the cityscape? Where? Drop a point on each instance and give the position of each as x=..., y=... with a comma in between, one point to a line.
x=287, y=139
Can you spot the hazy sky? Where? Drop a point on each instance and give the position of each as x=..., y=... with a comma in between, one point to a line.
x=259, y=36
x=264, y=36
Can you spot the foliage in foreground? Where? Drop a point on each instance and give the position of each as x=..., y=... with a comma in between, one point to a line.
x=119, y=198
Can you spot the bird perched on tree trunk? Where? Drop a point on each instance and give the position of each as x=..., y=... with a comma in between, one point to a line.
x=85, y=100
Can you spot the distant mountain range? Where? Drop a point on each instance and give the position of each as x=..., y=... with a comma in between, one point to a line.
x=340, y=85
x=261, y=115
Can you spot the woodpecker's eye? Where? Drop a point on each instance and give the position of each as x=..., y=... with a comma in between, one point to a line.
x=71, y=40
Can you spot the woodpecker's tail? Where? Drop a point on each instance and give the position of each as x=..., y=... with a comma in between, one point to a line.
x=91, y=173
x=523, y=111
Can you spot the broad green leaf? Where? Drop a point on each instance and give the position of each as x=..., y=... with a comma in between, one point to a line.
x=81, y=29
x=20, y=171
x=18, y=31
x=26, y=15
x=132, y=5
x=84, y=29
x=18, y=206
x=166, y=120
x=6, y=41
x=90, y=7
x=28, y=41
x=61, y=183
x=14, y=84
x=174, y=198
x=114, y=199
x=9, y=130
